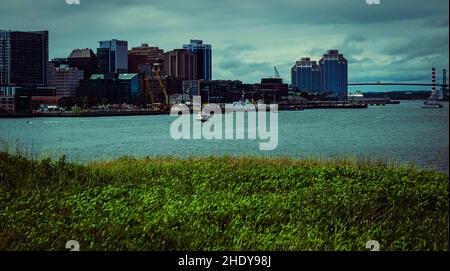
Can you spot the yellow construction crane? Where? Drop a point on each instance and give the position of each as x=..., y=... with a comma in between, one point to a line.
x=147, y=89
x=161, y=85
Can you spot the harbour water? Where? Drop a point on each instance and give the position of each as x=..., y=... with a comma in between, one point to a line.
x=404, y=133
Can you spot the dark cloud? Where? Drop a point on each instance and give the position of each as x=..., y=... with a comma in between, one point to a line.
x=420, y=46
x=358, y=61
x=398, y=39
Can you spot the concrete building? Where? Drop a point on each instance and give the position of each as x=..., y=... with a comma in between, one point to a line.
x=85, y=60
x=144, y=57
x=112, y=56
x=181, y=64
x=23, y=58
x=204, y=58
x=64, y=79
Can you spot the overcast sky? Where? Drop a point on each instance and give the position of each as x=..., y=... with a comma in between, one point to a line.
x=397, y=40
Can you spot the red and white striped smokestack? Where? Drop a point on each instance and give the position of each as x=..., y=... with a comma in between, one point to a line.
x=433, y=79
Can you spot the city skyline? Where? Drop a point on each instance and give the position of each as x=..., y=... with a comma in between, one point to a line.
x=250, y=38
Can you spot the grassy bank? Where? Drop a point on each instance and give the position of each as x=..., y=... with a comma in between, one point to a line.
x=220, y=204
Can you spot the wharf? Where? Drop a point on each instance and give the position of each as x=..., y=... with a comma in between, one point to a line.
x=281, y=107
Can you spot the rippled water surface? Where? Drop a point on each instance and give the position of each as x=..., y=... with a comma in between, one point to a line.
x=404, y=133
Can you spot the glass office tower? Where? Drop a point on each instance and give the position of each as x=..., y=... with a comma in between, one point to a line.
x=204, y=58
x=334, y=69
x=306, y=76
x=112, y=56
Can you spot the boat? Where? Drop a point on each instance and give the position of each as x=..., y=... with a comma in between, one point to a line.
x=433, y=101
x=242, y=105
x=202, y=117
x=432, y=104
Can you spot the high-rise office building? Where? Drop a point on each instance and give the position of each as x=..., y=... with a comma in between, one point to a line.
x=334, y=68
x=306, y=75
x=84, y=60
x=181, y=64
x=23, y=59
x=329, y=77
x=112, y=56
x=204, y=58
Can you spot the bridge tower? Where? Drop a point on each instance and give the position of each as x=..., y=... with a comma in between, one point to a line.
x=433, y=80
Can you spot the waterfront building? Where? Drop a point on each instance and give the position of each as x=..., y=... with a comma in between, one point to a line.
x=144, y=57
x=85, y=60
x=229, y=91
x=23, y=58
x=272, y=90
x=190, y=88
x=172, y=85
x=7, y=104
x=181, y=64
x=35, y=91
x=64, y=79
x=111, y=88
x=15, y=104
x=334, y=69
x=306, y=76
x=204, y=58
x=220, y=91
x=112, y=56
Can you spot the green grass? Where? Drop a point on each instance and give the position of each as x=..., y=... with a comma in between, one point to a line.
x=220, y=204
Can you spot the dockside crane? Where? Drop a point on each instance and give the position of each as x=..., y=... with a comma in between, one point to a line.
x=157, y=71
x=277, y=74
x=147, y=90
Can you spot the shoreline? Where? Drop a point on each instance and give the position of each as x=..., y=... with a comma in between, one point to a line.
x=80, y=114
x=145, y=113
